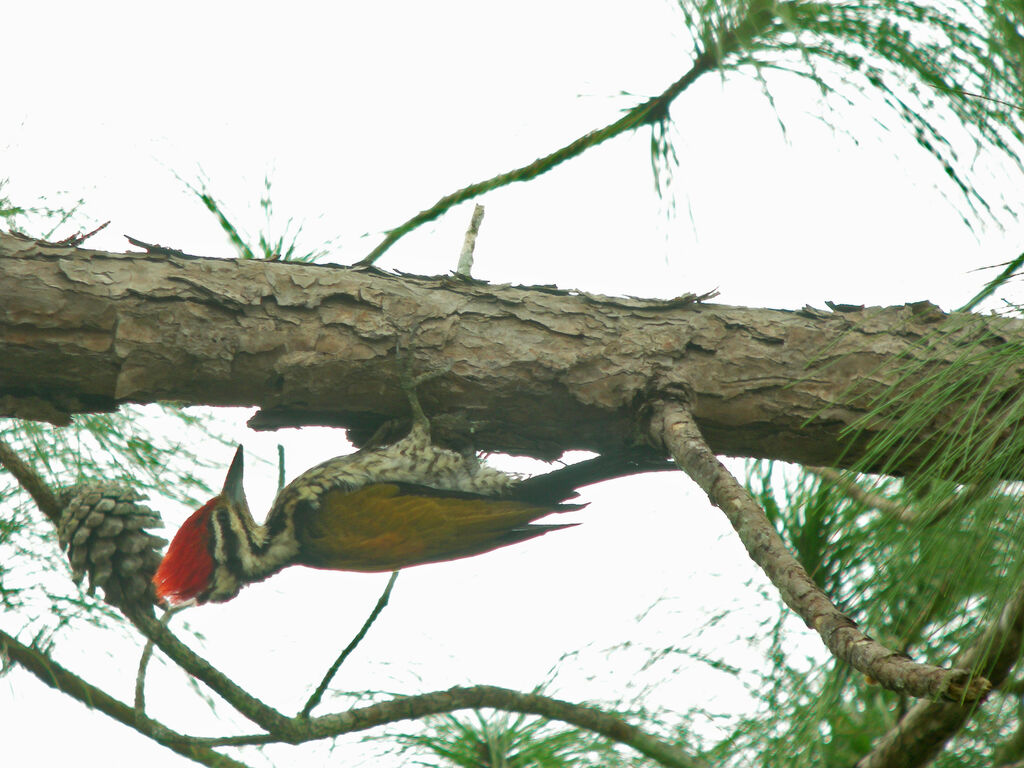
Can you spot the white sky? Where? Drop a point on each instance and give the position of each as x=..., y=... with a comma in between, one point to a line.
x=364, y=114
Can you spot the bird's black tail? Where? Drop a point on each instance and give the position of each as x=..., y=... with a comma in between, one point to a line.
x=557, y=486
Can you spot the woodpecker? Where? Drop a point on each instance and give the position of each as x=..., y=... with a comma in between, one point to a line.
x=406, y=504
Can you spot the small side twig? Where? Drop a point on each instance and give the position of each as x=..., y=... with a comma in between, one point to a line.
x=280, y=467
x=469, y=244
x=318, y=694
x=673, y=426
x=147, y=654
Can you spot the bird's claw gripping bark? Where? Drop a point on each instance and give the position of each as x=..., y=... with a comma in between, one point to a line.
x=409, y=385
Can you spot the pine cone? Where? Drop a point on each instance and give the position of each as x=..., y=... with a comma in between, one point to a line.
x=104, y=532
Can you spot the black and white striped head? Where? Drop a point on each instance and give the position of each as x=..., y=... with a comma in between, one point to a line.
x=217, y=550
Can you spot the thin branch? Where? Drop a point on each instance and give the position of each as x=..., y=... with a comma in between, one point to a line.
x=59, y=678
x=280, y=467
x=318, y=694
x=650, y=112
x=672, y=426
x=928, y=725
x=147, y=654
x=646, y=113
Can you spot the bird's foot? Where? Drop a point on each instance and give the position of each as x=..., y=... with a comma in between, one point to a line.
x=409, y=384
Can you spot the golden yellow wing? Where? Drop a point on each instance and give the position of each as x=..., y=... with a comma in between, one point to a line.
x=385, y=526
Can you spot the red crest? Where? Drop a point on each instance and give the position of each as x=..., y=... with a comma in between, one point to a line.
x=185, y=570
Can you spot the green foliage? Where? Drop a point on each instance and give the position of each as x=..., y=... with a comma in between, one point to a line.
x=41, y=220
x=488, y=739
x=916, y=580
x=282, y=247
x=961, y=426
x=947, y=71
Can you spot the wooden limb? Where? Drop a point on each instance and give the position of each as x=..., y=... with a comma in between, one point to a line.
x=318, y=694
x=59, y=678
x=672, y=426
x=924, y=730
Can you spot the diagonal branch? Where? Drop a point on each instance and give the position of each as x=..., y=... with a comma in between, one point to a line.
x=642, y=114
x=318, y=694
x=650, y=112
x=672, y=425
x=59, y=678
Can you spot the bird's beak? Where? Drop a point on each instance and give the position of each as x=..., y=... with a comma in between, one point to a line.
x=233, y=488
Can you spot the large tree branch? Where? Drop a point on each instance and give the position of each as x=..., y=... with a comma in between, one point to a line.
x=533, y=370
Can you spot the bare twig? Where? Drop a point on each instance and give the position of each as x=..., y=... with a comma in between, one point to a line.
x=928, y=725
x=469, y=244
x=672, y=426
x=56, y=676
x=650, y=112
x=318, y=694
x=147, y=654
x=642, y=114
x=280, y=467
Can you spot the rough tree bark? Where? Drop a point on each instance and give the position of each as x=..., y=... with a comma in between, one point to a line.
x=534, y=370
